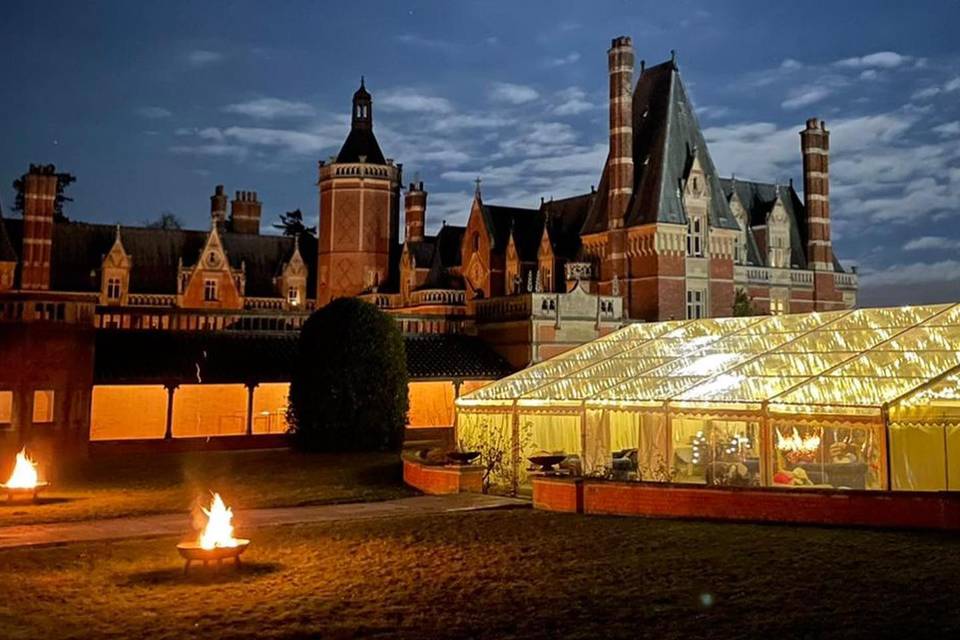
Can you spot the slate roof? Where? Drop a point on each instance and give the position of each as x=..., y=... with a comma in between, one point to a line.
x=499, y=222
x=666, y=136
x=563, y=219
x=446, y=258
x=157, y=357
x=361, y=143
x=79, y=249
x=758, y=199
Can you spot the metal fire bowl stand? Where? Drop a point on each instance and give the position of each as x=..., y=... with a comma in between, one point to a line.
x=17, y=492
x=193, y=552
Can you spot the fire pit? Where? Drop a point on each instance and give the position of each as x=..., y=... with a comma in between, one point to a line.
x=24, y=481
x=547, y=462
x=216, y=542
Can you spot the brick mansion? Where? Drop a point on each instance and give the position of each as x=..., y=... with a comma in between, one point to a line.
x=662, y=236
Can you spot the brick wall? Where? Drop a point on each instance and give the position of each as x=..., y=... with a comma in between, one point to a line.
x=440, y=480
x=558, y=494
x=856, y=508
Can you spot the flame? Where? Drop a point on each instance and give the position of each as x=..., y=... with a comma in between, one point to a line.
x=24, y=474
x=219, y=531
x=797, y=443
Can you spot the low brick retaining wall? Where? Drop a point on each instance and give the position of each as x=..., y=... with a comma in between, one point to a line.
x=558, y=494
x=442, y=479
x=854, y=508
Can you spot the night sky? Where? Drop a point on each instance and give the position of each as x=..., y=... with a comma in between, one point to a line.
x=152, y=104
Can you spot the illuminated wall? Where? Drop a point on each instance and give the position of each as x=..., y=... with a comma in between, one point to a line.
x=270, y=407
x=209, y=410
x=128, y=412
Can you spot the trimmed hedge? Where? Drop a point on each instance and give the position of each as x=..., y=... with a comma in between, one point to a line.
x=348, y=391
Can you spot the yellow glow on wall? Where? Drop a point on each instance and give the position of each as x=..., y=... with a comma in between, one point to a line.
x=6, y=407
x=431, y=403
x=270, y=407
x=128, y=412
x=209, y=410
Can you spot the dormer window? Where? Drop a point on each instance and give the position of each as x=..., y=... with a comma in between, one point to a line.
x=113, y=288
x=210, y=290
x=293, y=296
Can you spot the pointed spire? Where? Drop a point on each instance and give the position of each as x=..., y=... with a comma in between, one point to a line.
x=362, y=85
x=476, y=192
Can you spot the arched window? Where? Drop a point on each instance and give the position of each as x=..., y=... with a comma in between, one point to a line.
x=476, y=241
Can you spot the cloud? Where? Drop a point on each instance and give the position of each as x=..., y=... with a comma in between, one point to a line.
x=929, y=92
x=804, y=96
x=712, y=112
x=570, y=58
x=268, y=144
x=572, y=101
x=417, y=40
x=154, y=113
x=270, y=108
x=203, y=57
x=880, y=59
x=925, y=243
x=513, y=93
x=410, y=100
x=947, y=129
x=457, y=121
x=869, y=74
x=790, y=64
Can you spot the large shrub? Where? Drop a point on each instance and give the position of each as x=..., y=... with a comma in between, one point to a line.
x=349, y=385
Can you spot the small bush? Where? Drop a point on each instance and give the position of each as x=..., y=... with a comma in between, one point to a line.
x=349, y=386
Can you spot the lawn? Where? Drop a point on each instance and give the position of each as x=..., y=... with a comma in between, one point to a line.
x=499, y=574
x=115, y=485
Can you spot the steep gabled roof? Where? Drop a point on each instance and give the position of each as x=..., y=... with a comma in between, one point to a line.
x=79, y=247
x=563, y=219
x=666, y=136
x=527, y=232
x=758, y=199
x=446, y=258
x=499, y=222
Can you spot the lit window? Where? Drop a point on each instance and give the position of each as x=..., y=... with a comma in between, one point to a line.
x=293, y=296
x=210, y=290
x=696, y=299
x=42, y=405
x=6, y=407
x=113, y=289
x=778, y=306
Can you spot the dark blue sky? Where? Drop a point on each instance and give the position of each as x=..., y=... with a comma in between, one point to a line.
x=152, y=104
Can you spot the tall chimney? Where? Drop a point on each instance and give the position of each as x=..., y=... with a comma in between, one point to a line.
x=415, y=207
x=39, y=196
x=218, y=206
x=620, y=158
x=245, y=213
x=815, y=146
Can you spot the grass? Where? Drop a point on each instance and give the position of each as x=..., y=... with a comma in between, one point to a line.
x=498, y=574
x=110, y=486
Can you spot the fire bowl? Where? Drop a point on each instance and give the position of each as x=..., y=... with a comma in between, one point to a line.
x=193, y=552
x=546, y=463
x=462, y=457
x=22, y=492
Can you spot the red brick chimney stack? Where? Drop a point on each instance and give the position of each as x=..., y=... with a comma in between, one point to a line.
x=815, y=146
x=415, y=208
x=245, y=213
x=39, y=196
x=620, y=159
x=218, y=206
